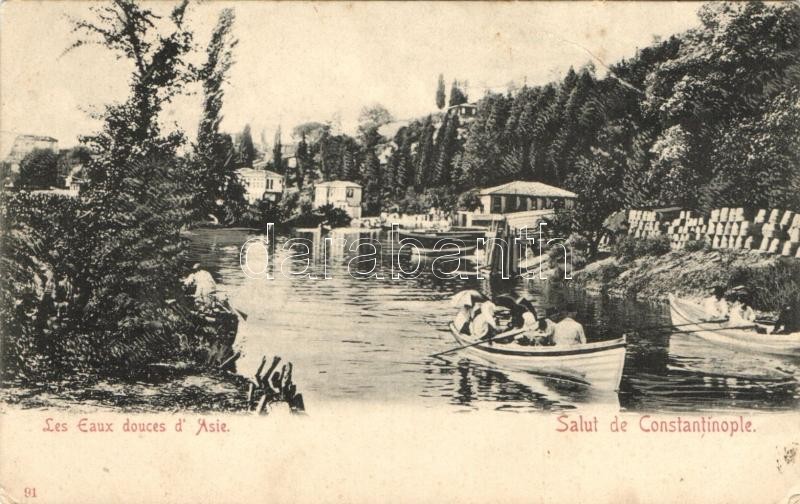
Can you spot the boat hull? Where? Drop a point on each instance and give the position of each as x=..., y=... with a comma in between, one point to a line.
x=430, y=240
x=685, y=313
x=599, y=364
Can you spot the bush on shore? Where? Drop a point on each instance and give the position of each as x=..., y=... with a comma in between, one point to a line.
x=697, y=245
x=629, y=248
x=770, y=287
x=86, y=295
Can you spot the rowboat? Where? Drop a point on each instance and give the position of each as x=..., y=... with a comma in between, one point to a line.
x=433, y=243
x=430, y=238
x=690, y=316
x=596, y=364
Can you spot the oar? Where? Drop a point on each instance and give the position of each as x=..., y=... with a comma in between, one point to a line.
x=497, y=336
x=656, y=328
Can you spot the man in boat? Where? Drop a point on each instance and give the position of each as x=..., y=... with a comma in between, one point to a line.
x=715, y=306
x=544, y=332
x=568, y=331
x=787, y=322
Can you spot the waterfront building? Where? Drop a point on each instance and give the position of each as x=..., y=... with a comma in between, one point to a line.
x=341, y=194
x=519, y=203
x=260, y=184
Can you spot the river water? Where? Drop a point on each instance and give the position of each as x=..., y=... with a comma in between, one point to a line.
x=368, y=339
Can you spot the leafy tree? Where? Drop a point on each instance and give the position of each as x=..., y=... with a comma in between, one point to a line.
x=38, y=170
x=370, y=120
x=761, y=172
x=312, y=131
x=68, y=159
x=440, y=93
x=597, y=182
x=136, y=198
x=334, y=217
x=469, y=200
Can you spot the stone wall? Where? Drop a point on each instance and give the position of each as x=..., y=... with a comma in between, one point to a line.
x=770, y=231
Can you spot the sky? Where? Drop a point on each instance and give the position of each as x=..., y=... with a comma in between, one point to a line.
x=304, y=61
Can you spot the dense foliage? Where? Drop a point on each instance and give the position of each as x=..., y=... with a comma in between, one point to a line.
x=630, y=247
x=706, y=118
x=38, y=170
x=94, y=282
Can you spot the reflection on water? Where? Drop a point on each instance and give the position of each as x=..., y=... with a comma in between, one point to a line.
x=369, y=339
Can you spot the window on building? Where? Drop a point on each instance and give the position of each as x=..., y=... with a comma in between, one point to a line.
x=497, y=204
x=269, y=183
x=350, y=192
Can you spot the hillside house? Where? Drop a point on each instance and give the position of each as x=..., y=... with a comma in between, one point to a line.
x=341, y=194
x=260, y=184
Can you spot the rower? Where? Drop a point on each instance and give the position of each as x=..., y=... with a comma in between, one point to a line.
x=544, y=332
x=568, y=331
x=787, y=322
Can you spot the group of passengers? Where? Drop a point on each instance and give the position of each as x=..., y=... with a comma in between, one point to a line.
x=733, y=311
x=476, y=317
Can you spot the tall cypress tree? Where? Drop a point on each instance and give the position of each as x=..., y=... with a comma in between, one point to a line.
x=440, y=93
x=374, y=184
x=214, y=152
x=405, y=167
x=305, y=166
x=277, y=152
x=446, y=148
x=426, y=153
x=247, y=151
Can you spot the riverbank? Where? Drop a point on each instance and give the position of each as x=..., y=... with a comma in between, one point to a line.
x=769, y=279
x=164, y=388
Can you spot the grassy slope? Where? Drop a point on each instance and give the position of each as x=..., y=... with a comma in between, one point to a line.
x=680, y=272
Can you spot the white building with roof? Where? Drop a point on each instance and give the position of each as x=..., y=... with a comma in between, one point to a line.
x=260, y=184
x=465, y=111
x=341, y=194
x=520, y=203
